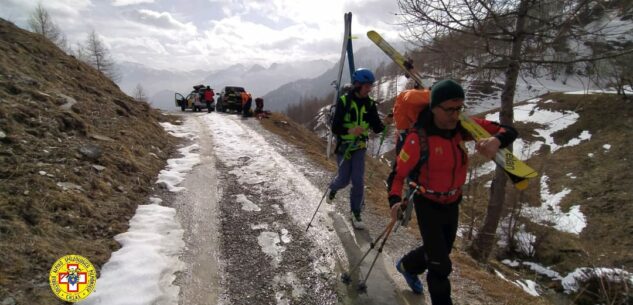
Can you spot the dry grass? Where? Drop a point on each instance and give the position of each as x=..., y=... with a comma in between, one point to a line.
x=39, y=221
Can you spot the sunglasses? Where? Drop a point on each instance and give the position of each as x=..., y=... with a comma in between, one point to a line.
x=453, y=109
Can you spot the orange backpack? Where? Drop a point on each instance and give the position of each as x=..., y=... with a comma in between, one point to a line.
x=409, y=104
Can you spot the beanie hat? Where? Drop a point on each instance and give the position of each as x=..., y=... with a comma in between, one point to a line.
x=444, y=90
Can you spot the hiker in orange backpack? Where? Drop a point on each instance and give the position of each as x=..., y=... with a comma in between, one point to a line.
x=434, y=157
x=408, y=105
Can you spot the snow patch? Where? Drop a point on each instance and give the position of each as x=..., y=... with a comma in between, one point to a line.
x=285, y=236
x=572, y=281
x=142, y=271
x=528, y=286
x=270, y=244
x=155, y=200
x=261, y=226
x=549, y=213
x=179, y=131
x=606, y=147
x=177, y=168
x=247, y=205
x=278, y=209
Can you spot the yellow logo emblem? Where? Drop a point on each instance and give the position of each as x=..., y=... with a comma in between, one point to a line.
x=72, y=278
x=404, y=156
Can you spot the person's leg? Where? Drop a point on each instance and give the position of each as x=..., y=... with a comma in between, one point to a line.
x=438, y=260
x=208, y=107
x=358, y=177
x=343, y=175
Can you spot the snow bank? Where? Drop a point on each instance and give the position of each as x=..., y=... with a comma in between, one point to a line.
x=573, y=281
x=550, y=213
x=177, y=168
x=142, y=271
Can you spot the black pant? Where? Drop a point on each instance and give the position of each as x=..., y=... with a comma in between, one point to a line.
x=246, y=109
x=438, y=226
x=208, y=106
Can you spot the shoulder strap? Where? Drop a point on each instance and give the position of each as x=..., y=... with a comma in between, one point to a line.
x=424, y=152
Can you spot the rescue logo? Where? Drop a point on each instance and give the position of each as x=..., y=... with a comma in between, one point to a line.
x=72, y=278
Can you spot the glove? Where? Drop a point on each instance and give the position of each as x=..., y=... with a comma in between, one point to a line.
x=393, y=199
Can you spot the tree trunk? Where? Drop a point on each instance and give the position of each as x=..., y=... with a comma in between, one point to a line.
x=483, y=244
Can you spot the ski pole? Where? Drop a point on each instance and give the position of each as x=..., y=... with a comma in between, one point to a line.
x=346, y=276
x=391, y=227
x=382, y=139
x=346, y=156
x=362, y=286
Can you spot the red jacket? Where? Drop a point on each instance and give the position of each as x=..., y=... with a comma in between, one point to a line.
x=447, y=165
x=208, y=94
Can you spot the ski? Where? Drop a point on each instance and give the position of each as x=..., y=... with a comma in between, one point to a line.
x=346, y=49
x=517, y=170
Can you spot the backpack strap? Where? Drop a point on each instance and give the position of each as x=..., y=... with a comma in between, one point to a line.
x=424, y=152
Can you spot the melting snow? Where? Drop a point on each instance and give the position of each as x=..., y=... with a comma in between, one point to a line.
x=549, y=213
x=177, y=168
x=142, y=271
x=270, y=244
x=247, y=205
x=285, y=236
x=573, y=280
x=261, y=226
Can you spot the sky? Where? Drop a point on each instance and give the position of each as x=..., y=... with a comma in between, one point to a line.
x=213, y=34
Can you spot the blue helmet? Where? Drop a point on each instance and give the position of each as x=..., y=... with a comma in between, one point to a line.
x=363, y=76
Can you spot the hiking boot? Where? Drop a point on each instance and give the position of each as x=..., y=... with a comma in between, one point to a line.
x=330, y=196
x=412, y=280
x=357, y=221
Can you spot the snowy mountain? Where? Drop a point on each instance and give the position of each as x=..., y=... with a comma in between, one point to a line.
x=320, y=86
x=160, y=85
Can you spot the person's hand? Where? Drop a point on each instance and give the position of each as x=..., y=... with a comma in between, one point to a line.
x=396, y=211
x=488, y=147
x=356, y=131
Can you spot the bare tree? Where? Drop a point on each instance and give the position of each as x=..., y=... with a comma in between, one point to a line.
x=98, y=56
x=139, y=94
x=41, y=22
x=506, y=36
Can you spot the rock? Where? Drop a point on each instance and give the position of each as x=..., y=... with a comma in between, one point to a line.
x=91, y=151
x=99, y=168
x=101, y=138
x=69, y=186
x=2, y=134
x=26, y=193
x=8, y=301
x=42, y=173
x=120, y=188
x=69, y=101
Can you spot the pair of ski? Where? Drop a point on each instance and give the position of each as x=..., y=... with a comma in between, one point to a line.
x=517, y=170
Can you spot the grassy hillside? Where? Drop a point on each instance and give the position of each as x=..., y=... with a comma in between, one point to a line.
x=596, y=176
x=77, y=156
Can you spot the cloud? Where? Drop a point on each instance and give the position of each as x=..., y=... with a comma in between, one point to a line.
x=130, y=2
x=162, y=20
